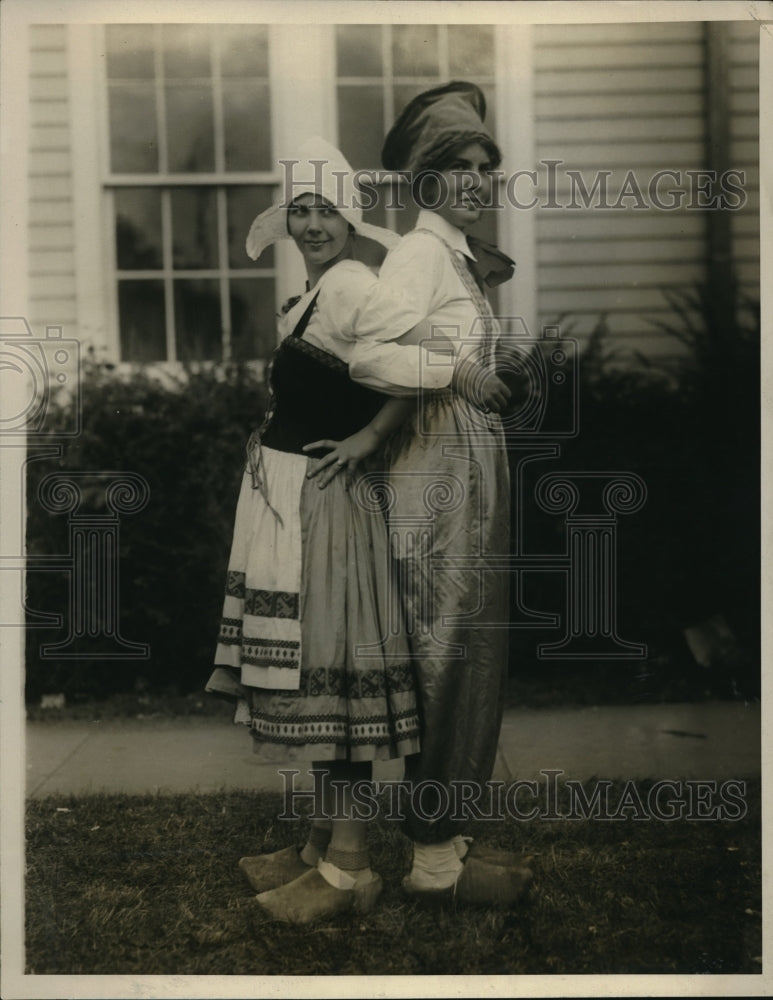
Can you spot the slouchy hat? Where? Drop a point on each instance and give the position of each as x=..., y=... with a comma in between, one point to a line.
x=433, y=124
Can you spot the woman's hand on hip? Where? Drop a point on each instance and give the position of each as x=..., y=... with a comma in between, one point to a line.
x=344, y=456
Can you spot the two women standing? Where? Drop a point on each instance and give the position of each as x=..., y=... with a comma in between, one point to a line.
x=310, y=586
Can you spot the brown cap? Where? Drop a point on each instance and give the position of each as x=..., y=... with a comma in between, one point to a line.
x=435, y=122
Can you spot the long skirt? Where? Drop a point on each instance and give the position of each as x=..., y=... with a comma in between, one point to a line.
x=312, y=640
x=449, y=519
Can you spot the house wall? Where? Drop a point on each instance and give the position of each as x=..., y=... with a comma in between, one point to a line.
x=52, y=279
x=744, y=108
x=606, y=97
x=618, y=97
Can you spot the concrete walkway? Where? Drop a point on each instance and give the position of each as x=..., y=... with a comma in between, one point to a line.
x=708, y=740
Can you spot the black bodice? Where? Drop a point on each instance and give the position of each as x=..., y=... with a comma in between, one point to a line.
x=312, y=396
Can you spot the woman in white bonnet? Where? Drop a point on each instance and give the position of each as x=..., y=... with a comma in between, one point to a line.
x=311, y=643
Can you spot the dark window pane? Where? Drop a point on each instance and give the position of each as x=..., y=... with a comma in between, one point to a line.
x=253, y=318
x=138, y=228
x=194, y=227
x=243, y=204
x=141, y=320
x=197, y=320
x=471, y=50
x=130, y=50
x=133, y=136
x=415, y=50
x=247, y=120
x=244, y=50
x=190, y=138
x=359, y=49
x=186, y=50
x=361, y=125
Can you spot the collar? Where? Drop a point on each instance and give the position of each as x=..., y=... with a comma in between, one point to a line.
x=438, y=225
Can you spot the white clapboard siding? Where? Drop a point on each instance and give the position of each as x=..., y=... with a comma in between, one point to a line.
x=563, y=251
x=618, y=155
x=52, y=262
x=49, y=236
x=744, y=150
x=594, y=55
x=51, y=211
x=618, y=98
x=604, y=36
x=51, y=135
x=604, y=227
x=50, y=188
x=631, y=97
x=625, y=80
x=53, y=112
x=52, y=299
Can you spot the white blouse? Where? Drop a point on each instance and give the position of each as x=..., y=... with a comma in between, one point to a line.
x=419, y=274
x=354, y=308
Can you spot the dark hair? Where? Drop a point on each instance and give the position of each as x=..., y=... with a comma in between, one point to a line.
x=329, y=204
x=442, y=157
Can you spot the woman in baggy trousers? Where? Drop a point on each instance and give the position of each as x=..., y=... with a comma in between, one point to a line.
x=449, y=513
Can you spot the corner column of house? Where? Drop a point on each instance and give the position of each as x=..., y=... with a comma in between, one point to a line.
x=719, y=274
x=302, y=79
x=93, y=242
x=14, y=302
x=515, y=135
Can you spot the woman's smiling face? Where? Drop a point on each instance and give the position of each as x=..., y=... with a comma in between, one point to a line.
x=320, y=232
x=464, y=186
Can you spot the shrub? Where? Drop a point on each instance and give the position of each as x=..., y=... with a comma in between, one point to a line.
x=186, y=438
x=690, y=429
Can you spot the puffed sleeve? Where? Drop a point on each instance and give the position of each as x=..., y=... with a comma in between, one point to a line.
x=385, y=354
x=346, y=292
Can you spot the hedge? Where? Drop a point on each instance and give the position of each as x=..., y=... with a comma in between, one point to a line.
x=690, y=432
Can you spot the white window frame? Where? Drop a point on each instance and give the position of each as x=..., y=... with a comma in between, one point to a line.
x=302, y=105
x=512, y=79
x=164, y=181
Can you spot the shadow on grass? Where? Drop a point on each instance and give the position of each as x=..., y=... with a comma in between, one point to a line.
x=148, y=885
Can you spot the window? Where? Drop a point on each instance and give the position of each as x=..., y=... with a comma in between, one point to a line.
x=190, y=160
x=381, y=67
x=190, y=165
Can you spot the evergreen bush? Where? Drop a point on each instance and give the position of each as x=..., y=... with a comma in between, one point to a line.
x=186, y=437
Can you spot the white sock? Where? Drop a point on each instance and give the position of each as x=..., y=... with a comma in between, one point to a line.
x=461, y=845
x=435, y=866
x=339, y=878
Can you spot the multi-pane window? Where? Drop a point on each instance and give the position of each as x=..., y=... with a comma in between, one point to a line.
x=380, y=68
x=190, y=165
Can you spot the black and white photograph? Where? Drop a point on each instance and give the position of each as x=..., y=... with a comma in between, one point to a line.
x=382, y=436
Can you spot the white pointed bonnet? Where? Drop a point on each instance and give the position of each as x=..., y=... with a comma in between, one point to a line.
x=318, y=168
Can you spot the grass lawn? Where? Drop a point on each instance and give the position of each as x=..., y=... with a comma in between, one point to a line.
x=146, y=885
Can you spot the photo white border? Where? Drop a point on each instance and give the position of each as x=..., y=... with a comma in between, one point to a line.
x=15, y=15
